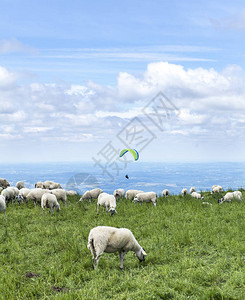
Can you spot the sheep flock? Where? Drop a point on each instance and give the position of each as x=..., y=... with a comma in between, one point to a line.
x=49, y=194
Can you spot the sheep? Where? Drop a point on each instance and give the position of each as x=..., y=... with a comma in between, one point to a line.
x=24, y=192
x=217, y=189
x=39, y=185
x=36, y=195
x=197, y=195
x=8, y=194
x=165, y=193
x=146, y=197
x=51, y=185
x=92, y=194
x=119, y=193
x=130, y=194
x=60, y=195
x=110, y=239
x=2, y=205
x=184, y=192
x=192, y=189
x=50, y=201
x=230, y=196
x=20, y=185
x=107, y=201
x=4, y=183
x=71, y=193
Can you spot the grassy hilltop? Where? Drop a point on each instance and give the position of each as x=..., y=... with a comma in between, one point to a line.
x=194, y=251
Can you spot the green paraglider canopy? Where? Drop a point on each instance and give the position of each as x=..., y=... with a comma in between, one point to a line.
x=132, y=151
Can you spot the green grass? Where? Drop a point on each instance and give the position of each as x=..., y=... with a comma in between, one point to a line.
x=194, y=251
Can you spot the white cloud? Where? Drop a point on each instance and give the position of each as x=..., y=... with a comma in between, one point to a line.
x=210, y=104
x=13, y=46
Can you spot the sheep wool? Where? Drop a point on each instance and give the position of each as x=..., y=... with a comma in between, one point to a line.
x=130, y=194
x=184, y=192
x=50, y=201
x=107, y=201
x=146, y=197
x=2, y=205
x=110, y=239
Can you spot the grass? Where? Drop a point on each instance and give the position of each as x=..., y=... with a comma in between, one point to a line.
x=194, y=251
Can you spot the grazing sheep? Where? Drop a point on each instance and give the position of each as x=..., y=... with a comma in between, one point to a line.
x=217, y=189
x=71, y=193
x=36, y=195
x=39, y=185
x=50, y=201
x=110, y=239
x=230, y=196
x=60, y=195
x=107, y=201
x=146, y=197
x=2, y=205
x=197, y=195
x=92, y=194
x=4, y=183
x=130, y=194
x=24, y=192
x=20, y=185
x=8, y=194
x=51, y=185
x=165, y=193
x=192, y=189
x=184, y=192
x=119, y=193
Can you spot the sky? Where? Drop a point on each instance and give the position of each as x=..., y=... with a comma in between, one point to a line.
x=81, y=80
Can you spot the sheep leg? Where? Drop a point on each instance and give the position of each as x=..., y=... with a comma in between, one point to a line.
x=96, y=260
x=98, y=208
x=50, y=210
x=44, y=211
x=53, y=210
x=4, y=214
x=121, y=256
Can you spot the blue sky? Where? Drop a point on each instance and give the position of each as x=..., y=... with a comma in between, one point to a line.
x=73, y=73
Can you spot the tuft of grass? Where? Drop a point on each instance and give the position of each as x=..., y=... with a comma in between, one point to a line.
x=194, y=251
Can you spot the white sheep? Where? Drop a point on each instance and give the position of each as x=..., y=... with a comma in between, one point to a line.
x=197, y=195
x=216, y=189
x=130, y=194
x=119, y=193
x=107, y=201
x=71, y=193
x=60, y=195
x=230, y=196
x=2, y=205
x=146, y=197
x=39, y=185
x=165, y=193
x=51, y=185
x=24, y=192
x=50, y=201
x=110, y=239
x=4, y=183
x=36, y=195
x=20, y=185
x=8, y=194
x=92, y=194
x=192, y=189
x=184, y=192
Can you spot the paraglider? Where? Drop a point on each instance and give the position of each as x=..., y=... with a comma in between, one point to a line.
x=127, y=176
x=132, y=151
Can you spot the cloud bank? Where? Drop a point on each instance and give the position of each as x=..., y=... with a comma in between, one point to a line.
x=210, y=104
